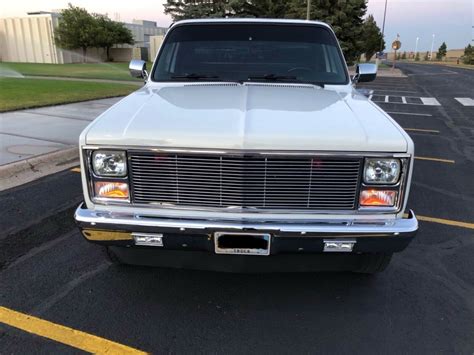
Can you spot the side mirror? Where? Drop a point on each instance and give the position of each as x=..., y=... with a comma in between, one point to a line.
x=137, y=68
x=365, y=72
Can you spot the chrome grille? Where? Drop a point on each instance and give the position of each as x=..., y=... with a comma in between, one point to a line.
x=253, y=182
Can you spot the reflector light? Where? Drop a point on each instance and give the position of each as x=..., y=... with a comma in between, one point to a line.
x=107, y=189
x=378, y=198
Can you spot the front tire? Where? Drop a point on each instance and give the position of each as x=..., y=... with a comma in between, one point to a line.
x=374, y=263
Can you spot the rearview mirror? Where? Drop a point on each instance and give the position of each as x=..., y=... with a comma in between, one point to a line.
x=137, y=68
x=365, y=72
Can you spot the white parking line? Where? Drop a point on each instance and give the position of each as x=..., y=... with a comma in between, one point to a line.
x=430, y=101
x=465, y=101
x=386, y=90
x=409, y=113
x=425, y=101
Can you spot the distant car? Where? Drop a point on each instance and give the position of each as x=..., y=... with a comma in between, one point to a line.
x=248, y=149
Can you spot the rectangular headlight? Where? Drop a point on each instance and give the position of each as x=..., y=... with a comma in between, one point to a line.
x=109, y=163
x=382, y=171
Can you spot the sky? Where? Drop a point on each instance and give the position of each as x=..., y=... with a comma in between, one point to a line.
x=450, y=21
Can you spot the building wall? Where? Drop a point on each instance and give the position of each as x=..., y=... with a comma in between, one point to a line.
x=121, y=54
x=155, y=44
x=28, y=39
x=31, y=39
x=141, y=35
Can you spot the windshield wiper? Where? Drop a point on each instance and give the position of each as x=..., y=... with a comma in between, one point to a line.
x=194, y=76
x=273, y=77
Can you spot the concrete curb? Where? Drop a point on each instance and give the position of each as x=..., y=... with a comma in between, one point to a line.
x=24, y=171
x=384, y=73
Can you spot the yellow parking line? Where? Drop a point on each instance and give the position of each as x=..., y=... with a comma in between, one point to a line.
x=421, y=130
x=76, y=170
x=62, y=334
x=448, y=222
x=437, y=160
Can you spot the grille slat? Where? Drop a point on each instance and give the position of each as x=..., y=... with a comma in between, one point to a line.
x=254, y=182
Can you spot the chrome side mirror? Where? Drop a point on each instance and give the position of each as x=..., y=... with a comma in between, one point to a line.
x=137, y=68
x=365, y=72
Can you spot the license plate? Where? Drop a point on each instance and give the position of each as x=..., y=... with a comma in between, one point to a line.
x=242, y=243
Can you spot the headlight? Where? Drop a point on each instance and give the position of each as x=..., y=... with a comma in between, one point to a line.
x=109, y=163
x=382, y=171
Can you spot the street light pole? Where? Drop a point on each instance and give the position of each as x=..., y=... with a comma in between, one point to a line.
x=432, y=44
x=383, y=26
x=416, y=46
x=377, y=57
x=308, y=10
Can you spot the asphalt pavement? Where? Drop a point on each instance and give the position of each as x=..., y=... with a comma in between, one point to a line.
x=422, y=304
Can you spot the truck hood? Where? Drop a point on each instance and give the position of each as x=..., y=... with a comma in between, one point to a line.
x=249, y=116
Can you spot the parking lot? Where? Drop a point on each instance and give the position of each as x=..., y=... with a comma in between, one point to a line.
x=423, y=303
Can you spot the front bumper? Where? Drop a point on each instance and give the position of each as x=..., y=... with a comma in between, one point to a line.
x=370, y=236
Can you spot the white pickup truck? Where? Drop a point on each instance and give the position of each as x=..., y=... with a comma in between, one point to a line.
x=248, y=149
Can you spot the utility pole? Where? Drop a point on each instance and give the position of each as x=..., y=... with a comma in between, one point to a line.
x=308, y=10
x=432, y=44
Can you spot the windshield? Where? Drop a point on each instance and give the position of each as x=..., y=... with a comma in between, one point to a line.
x=251, y=52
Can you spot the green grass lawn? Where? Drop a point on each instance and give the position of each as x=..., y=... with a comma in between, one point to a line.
x=110, y=71
x=18, y=93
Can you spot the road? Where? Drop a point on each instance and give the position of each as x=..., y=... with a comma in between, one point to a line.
x=423, y=303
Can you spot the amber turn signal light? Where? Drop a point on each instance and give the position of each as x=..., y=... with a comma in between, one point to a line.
x=107, y=189
x=377, y=198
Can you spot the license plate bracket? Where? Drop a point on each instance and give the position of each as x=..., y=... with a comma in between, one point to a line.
x=242, y=243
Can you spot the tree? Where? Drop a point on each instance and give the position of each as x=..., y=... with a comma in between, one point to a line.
x=185, y=9
x=345, y=16
x=417, y=57
x=372, y=38
x=427, y=56
x=76, y=29
x=259, y=8
x=399, y=56
x=468, y=57
x=442, y=51
x=111, y=33
x=404, y=55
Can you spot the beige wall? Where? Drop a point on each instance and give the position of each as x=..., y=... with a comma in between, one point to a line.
x=121, y=54
x=28, y=39
x=155, y=44
x=31, y=39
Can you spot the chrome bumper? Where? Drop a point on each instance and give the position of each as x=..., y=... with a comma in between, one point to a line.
x=103, y=221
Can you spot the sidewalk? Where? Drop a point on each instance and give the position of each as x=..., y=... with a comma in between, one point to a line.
x=65, y=78
x=31, y=132
x=27, y=135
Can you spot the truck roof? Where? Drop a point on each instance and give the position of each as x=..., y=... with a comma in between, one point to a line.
x=250, y=20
